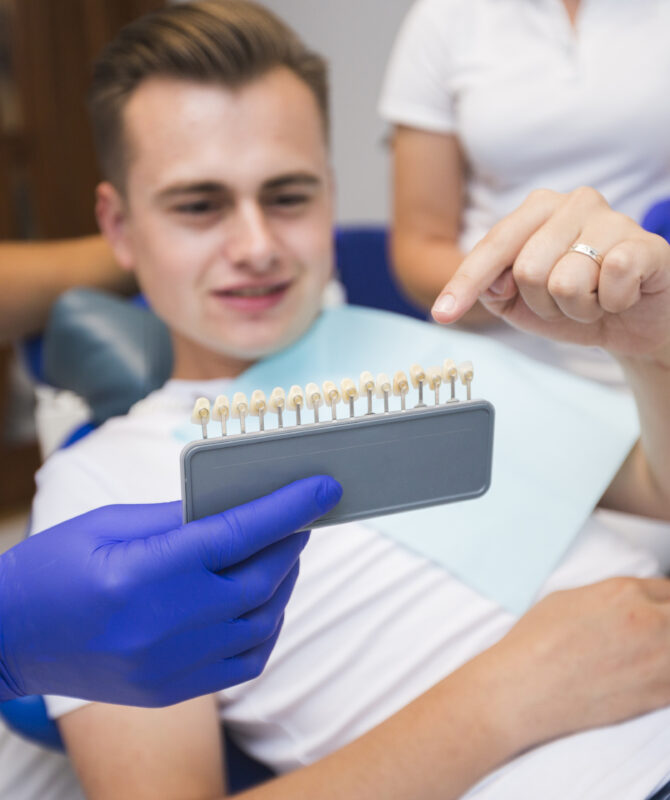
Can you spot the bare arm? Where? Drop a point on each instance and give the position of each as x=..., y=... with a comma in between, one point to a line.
x=146, y=754
x=427, y=209
x=524, y=272
x=580, y=658
x=33, y=274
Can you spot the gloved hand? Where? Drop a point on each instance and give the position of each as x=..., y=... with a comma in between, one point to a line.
x=127, y=605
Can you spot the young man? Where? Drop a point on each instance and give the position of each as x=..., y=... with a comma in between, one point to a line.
x=212, y=127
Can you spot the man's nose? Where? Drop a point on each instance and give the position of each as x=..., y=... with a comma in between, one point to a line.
x=250, y=242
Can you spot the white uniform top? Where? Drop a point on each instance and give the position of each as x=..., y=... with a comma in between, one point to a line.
x=536, y=104
x=370, y=626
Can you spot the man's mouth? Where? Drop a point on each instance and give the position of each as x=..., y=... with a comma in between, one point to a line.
x=254, y=298
x=256, y=291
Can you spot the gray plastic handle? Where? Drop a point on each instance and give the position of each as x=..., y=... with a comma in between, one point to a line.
x=385, y=462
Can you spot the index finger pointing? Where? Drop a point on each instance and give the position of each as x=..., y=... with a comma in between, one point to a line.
x=493, y=255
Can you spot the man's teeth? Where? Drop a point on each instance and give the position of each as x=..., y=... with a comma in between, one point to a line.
x=258, y=291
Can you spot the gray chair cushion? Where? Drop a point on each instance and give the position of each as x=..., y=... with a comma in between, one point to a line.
x=109, y=350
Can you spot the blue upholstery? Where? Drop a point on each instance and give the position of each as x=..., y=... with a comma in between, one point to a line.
x=27, y=716
x=361, y=255
x=657, y=219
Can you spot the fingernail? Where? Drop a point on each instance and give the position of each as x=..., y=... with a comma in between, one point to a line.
x=329, y=493
x=446, y=304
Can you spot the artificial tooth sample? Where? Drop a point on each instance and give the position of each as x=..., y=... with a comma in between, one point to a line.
x=349, y=393
x=418, y=377
x=434, y=379
x=332, y=397
x=450, y=373
x=313, y=399
x=240, y=410
x=257, y=407
x=277, y=404
x=400, y=387
x=221, y=412
x=383, y=389
x=466, y=373
x=296, y=400
x=367, y=387
x=200, y=415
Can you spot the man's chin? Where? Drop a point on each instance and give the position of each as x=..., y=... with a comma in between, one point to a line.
x=218, y=356
x=267, y=344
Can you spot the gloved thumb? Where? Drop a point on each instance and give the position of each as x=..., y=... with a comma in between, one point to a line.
x=235, y=535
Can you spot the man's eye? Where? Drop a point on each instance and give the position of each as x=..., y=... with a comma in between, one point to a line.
x=288, y=200
x=196, y=207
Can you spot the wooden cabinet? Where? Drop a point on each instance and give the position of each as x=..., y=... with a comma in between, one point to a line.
x=47, y=165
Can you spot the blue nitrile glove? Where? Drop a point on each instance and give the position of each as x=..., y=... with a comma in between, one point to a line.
x=126, y=605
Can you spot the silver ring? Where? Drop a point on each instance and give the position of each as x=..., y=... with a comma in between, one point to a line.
x=587, y=250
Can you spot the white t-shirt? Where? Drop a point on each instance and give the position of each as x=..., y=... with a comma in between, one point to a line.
x=535, y=103
x=370, y=626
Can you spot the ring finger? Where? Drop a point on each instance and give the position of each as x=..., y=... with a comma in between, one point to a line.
x=573, y=284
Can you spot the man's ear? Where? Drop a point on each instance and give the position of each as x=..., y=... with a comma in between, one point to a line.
x=111, y=211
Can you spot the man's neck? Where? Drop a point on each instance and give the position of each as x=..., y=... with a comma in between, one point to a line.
x=194, y=362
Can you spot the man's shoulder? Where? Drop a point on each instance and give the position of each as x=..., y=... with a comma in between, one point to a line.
x=128, y=459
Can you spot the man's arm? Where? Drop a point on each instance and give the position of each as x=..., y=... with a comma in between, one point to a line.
x=580, y=658
x=525, y=272
x=121, y=752
x=33, y=274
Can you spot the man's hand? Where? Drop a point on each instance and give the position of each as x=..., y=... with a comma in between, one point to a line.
x=127, y=605
x=524, y=272
x=582, y=658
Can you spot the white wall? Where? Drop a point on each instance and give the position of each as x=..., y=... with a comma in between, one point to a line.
x=355, y=36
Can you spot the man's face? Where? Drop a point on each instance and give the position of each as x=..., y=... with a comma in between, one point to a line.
x=227, y=215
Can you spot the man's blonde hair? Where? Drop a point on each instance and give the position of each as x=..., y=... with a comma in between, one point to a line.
x=227, y=42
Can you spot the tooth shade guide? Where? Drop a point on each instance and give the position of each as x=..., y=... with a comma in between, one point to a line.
x=352, y=451
x=257, y=407
x=383, y=388
x=313, y=399
x=400, y=387
x=434, y=379
x=466, y=373
x=350, y=393
x=331, y=393
x=418, y=376
x=332, y=396
x=200, y=415
x=240, y=407
x=450, y=374
x=277, y=404
x=221, y=411
x=295, y=402
x=367, y=387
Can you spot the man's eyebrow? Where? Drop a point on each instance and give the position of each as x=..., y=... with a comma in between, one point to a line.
x=292, y=179
x=198, y=187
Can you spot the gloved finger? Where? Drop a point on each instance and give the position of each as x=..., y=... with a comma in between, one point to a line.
x=234, y=535
x=124, y=522
x=254, y=581
x=215, y=675
x=226, y=638
x=192, y=612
